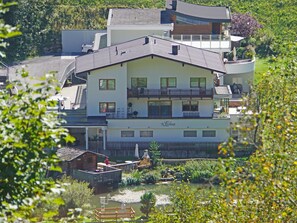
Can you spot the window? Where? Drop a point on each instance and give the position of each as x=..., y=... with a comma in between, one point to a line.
x=168, y=82
x=159, y=109
x=146, y=133
x=139, y=82
x=208, y=133
x=190, y=106
x=105, y=107
x=190, y=133
x=107, y=84
x=198, y=82
x=127, y=133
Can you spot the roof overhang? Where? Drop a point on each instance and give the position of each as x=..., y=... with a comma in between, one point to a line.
x=204, y=19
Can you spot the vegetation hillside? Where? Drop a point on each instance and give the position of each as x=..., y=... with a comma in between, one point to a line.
x=41, y=23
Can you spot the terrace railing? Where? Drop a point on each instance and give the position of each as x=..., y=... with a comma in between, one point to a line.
x=204, y=41
x=170, y=93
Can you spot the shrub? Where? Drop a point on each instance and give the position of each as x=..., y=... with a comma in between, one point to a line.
x=130, y=181
x=148, y=201
x=199, y=171
x=76, y=195
x=155, y=153
x=150, y=178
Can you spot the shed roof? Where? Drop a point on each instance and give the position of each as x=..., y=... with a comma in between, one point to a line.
x=69, y=154
x=137, y=49
x=223, y=90
x=139, y=17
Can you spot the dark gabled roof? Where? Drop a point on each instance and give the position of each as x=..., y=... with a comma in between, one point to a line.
x=206, y=13
x=139, y=17
x=69, y=154
x=158, y=47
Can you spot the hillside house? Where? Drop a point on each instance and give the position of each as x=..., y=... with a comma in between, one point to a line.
x=161, y=78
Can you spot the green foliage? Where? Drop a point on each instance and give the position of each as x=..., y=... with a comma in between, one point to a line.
x=150, y=178
x=155, y=154
x=133, y=179
x=29, y=134
x=185, y=202
x=42, y=23
x=148, y=201
x=263, y=188
x=76, y=195
x=6, y=31
x=199, y=171
x=69, y=202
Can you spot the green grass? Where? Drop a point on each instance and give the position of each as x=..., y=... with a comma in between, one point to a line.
x=262, y=66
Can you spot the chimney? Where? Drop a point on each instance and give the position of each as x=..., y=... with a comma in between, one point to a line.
x=175, y=48
x=146, y=40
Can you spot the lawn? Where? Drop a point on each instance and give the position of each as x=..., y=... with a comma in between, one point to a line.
x=262, y=66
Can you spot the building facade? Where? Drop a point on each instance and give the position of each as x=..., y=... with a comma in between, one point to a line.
x=172, y=87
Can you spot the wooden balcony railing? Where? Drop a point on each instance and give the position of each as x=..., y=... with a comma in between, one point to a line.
x=170, y=93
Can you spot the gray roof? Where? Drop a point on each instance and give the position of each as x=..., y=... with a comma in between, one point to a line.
x=158, y=47
x=80, y=120
x=69, y=154
x=139, y=17
x=209, y=13
x=223, y=90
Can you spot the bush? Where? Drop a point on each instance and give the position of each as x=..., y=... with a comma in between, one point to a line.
x=199, y=171
x=130, y=181
x=72, y=197
x=150, y=178
x=148, y=201
x=155, y=153
x=76, y=195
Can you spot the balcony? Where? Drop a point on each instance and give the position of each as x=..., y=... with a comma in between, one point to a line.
x=170, y=93
x=221, y=42
x=240, y=66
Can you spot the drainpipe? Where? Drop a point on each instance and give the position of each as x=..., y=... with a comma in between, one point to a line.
x=104, y=137
x=87, y=138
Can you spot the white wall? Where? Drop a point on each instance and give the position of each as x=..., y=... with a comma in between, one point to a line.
x=244, y=70
x=172, y=133
x=72, y=40
x=120, y=36
x=157, y=67
x=119, y=95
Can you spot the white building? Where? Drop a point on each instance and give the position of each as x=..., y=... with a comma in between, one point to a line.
x=162, y=87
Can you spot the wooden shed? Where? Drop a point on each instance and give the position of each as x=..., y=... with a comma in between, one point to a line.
x=75, y=159
x=82, y=165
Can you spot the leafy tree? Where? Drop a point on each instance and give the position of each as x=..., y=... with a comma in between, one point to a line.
x=244, y=25
x=29, y=136
x=148, y=201
x=6, y=31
